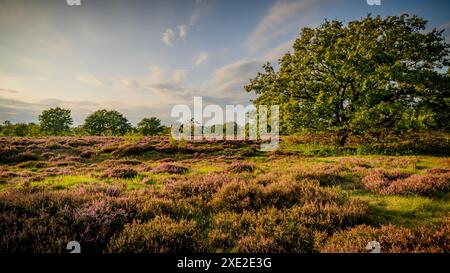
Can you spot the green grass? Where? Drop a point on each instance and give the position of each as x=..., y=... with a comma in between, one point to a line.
x=408, y=211
x=208, y=169
x=314, y=149
x=64, y=181
x=3, y=186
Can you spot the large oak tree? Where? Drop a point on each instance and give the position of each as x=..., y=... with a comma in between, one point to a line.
x=370, y=77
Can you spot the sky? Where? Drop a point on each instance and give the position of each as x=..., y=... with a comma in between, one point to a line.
x=143, y=57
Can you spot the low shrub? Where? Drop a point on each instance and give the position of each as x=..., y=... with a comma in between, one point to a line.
x=327, y=175
x=120, y=172
x=118, y=162
x=269, y=230
x=241, y=167
x=44, y=222
x=153, y=207
x=37, y=222
x=160, y=235
x=391, y=239
x=42, y=233
x=240, y=195
x=204, y=187
x=382, y=182
x=421, y=184
x=32, y=164
x=96, y=222
x=22, y=157
x=132, y=149
x=6, y=153
x=170, y=168
x=87, y=154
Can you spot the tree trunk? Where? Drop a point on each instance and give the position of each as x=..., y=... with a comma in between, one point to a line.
x=342, y=137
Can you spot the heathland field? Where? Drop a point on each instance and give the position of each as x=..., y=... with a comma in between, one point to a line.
x=154, y=194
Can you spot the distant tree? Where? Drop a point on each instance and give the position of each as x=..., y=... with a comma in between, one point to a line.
x=96, y=123
x=19, y=129
x=6, y=128
x=33, y=129
x=371, y=76
x=117, y=124
x=55, y=121
x=150, y=126
x=79, y=131
x=104, y=122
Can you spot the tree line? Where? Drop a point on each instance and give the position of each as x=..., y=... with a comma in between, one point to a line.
x=58, y=121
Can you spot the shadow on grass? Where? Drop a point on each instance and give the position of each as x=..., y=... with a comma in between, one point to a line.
x=408, y=211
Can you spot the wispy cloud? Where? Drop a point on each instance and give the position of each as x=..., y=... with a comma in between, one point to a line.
x=10, y=91
x=193, y=19
x=446, y=28
x=228, y=81
x=168, y=36
x=179, y=76
x=202, y=58
x=282, y=17
x=182, y=31
x=278, y=52
x=162, y=87
x=90, y=79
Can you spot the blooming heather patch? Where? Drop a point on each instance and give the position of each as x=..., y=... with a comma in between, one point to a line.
x=197, y=186
x=170, y=168
x=392, y=239
x=120, y=172
x=326, y=174
x=120, y=162
x=239, y=196
x=132, y=149
x=97, y=221
x=269, y=230
x=87, y=154
x=382, y=182
x=439, y=171
x=425, y=184
x=160, y=235
x=241, y=167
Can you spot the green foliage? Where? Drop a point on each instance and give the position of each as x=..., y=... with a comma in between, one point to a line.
x=55, y=121
x=104, y=122
x=19, y=129
x=150, y=126
x=79, y=131
x=369, y=77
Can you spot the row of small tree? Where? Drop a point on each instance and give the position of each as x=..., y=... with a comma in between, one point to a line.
x=58, y=121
